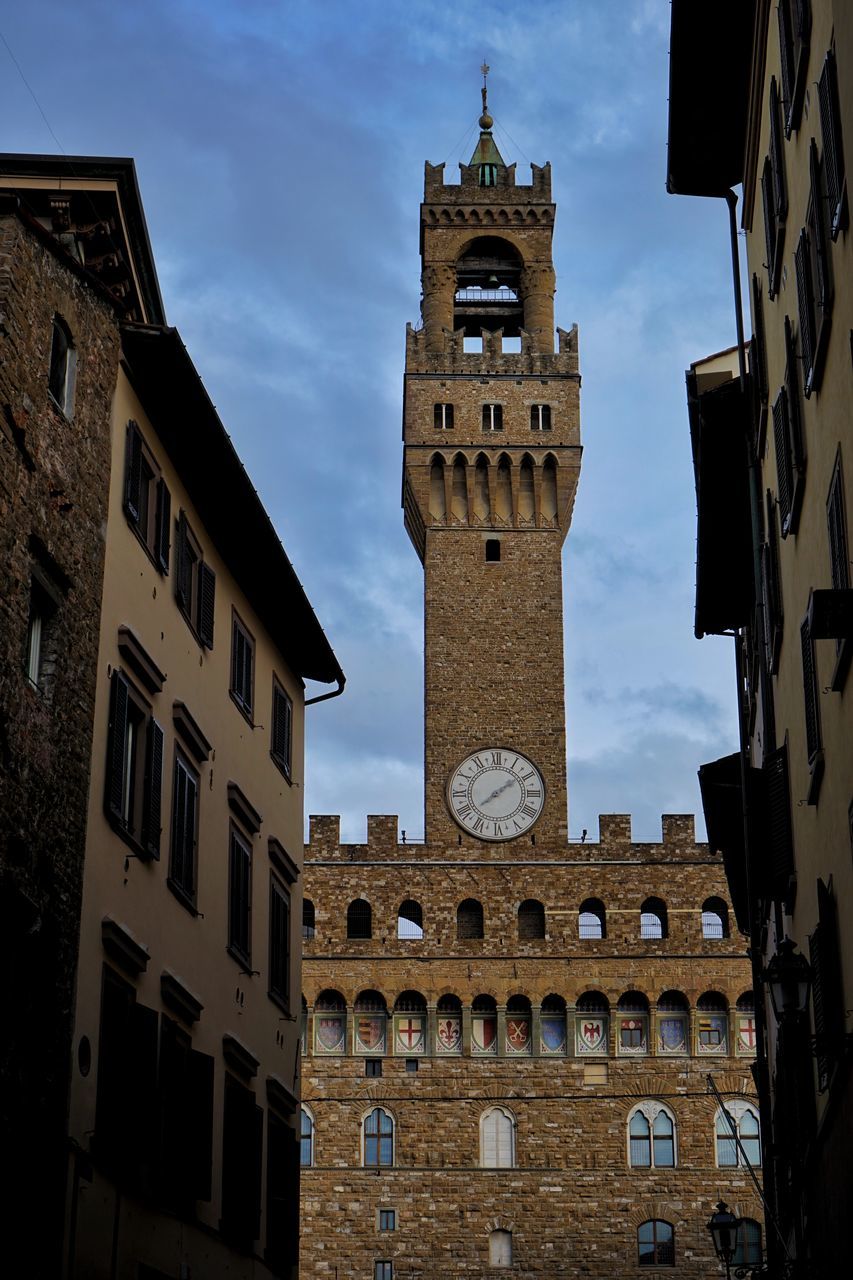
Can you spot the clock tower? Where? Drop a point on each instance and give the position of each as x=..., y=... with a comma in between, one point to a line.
x=491, y=462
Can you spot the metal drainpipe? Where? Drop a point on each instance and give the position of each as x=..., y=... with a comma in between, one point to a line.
x=762, y=1072
x=323, y=697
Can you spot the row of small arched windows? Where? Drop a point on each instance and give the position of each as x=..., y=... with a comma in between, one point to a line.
x=591, y=919
x=651, y=1137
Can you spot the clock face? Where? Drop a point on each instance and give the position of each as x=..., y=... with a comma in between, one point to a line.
x=496, y=794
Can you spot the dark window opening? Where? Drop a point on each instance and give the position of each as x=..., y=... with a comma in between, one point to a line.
x=195, y=584
x=240, y=897
x=359, y=919
x=488, y=175
x=411, y=1065
x=242, y=667
x=493, y=417
x=147, y=501
x=655, y=1244
x=387, y=1220
x=442, y=417
x=469, y=919
x=242, y=1142
x=183, y=854
x=281, y=747
x=493, y=550
x=279, y=958
x=788, y=437
x=134, y=774
x=378, y=1139
x=63, y=367
x=833, y=146
x=774, y=194
x=531, y=920
x=795, y=21
x=373, y=1066
x=309, y=929
x=540, y=417
x=40, y=658
x=284, y=1154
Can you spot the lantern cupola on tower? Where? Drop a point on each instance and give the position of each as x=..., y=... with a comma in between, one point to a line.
x=487, y=160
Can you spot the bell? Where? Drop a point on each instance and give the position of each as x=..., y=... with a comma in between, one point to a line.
x=493, y=282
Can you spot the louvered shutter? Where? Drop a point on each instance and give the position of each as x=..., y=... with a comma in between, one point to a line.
x=152, y=790
x=116, y=746
x=777, y=159
x=779, y=822
x=239, y=897
x=838, y=554
x=184, y=574
x=206, y=602
x=164, y=525
x=784, y=475
x=199, y=1097
x=827, y=986
x=805, y=303
x=810, y=692
x=786, y=50
x=758, y=365
x=833, y=151
x=792, y=386
x=140, y=1093
x=133, y=472
x=282, y=727
x=773, y=615
x=769, y=225
x=279, y=940
x=821, y=280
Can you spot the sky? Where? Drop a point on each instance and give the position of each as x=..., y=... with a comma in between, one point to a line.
x=280, y=148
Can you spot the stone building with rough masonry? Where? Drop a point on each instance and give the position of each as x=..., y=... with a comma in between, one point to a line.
x=155, y=647
x=508, y=1036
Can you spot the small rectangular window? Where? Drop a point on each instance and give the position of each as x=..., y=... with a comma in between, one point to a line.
x=373, y=1066
x=383, y=1271
x=281, y=744
x=195, y=584
x=787, y=432
x=279, y=942
x=411, y=1065
x=387, y=1219
x=40, y=655
x=134, y=773
x=147, y=502
x=182, y=860
x=493, y=417
x=540, y=417
x=242, y=666
x=63, y=367
x=493, y=550
x=442, y=417
x=239, y=897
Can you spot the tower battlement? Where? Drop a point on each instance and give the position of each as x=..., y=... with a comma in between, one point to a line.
x=469, y=188
x=448, y=355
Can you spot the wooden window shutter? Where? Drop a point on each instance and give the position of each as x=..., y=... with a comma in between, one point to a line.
x=839, y=556
x=199, y=1093
x=827, y=985
x=773, y=611
x=810, y=692
x=133, y=472
x=164, y=525
x=833, y=150
x=769, y=225
x=786, y=50
x=282, y=727
x=206, y=602
x=116, y=743
x=116, y=1001
x=152, y=790
x=140, y=1092
x=822, y=280
x=758, y=366
x=184, y=575
x=239, y=897
x=777, y=159
x=279, y=961
x=784, y=469
x=792, y=385
x=781, y=849
x=805, y=304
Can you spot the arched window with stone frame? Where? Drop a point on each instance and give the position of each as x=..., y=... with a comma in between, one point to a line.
x=484, y=1025
x=410, y=921
x=306, y=1137
x=519, y=1026
x=497, y=1138
x=748, y=1250
x=359, y=919
x=500, y=1248
x=653, y=919
x=745, y=1025
x=330, y=1022
x=531, y=920
x=651, y=1136
x=632, y=1024
x=715, y=919
x=737, y=1135
x=377, y=1139
x=655, y=1243
x=410, y=1024
x=673, y=1024
x=552, y=1025
x=448, y=1024
x=592, y=919
x=712, y=1024
x=469, y=919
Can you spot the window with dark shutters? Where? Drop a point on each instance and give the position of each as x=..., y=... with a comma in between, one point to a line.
x=147, y=502
x=134, y=773
x=282, y=728
x=279, y=959
x=125, y=1109
x=185, y=798
x=758, y=362
x=240, y=897
x=282, y=1195
x=795, y=21
x=242, y=1142
x=242, y=666
x=195, y=584
x=185, y=1095
x=771, y=587
x=827, y=988
x=839, y=555
x=774, y=193
x=814, y=286
x=780, y=839
x=788, y=438
x=810, y=694
x=833, y=148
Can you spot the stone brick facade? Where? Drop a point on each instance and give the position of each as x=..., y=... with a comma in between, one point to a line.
x=54, y=480
x=509, y=1003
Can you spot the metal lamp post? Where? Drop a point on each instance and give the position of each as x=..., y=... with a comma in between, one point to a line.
x=723, y=1226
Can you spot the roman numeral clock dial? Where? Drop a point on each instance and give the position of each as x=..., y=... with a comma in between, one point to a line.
x=496, y=794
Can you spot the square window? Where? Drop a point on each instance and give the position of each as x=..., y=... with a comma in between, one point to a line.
x=242, y=667
x=373, y=1066
x=411, y=1065
x=387, y=1219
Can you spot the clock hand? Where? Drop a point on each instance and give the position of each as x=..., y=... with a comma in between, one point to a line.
x=498, y=791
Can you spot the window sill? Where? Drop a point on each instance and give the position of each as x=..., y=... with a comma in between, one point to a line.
x=816, y=768
x=842, y=665
x=134, y=528
x=282, y=768
x=245, y=711
x=139, y=851
x=186, y=900
x=188, y=620
x=54, y=403
x=242, y=960
x=280, y=1002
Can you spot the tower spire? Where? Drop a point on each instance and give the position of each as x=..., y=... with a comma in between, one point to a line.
x=486, y=156
x=486, y=120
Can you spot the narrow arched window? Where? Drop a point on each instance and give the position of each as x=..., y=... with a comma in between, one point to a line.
x=531, y=920
x=653, y=922
x=359, y=919
x=500, y=1249
x=591, y=919
x=469, y=919
x=651, y=1137
x=306, y=1139
x=655, y=1244
x=410, y=921
x=378, y=1139
x=488, y=175
x=663, y=1141
x=640, y=1142
x=738, y=1135
x=748, y=1250
x=715, y=919
x=63, y=366
x=497, y=1139
x=308, y=925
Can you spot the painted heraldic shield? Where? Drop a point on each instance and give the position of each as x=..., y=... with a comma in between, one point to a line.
x=591, y=1035
x=673, y=1035
x=330, y=1033
x=517, y=1035
x=553, y=1035
x=483, y=1033
x=449, y=1034
x=371, y=1033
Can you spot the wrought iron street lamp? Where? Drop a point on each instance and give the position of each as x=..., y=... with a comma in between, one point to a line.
x=788, y=976
x=723, y=1226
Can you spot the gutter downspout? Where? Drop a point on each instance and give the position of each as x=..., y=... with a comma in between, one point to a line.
x=323, y=697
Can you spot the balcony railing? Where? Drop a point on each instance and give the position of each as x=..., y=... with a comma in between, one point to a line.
x=486, y=295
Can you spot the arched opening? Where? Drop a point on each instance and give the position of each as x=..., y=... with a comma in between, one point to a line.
x=673, y=1023
x=482, y=505
x=459, y=491
x=437, y=503
x=531, y=920
x=526, y=494
x=330, y=1022
x=484, y=1025
x=306, y=1138
x=745, y=1020
x=359, y=919
x=552, y=1025
x=712, y=1022
x=497, y=1138
x=503, y=490
x=500, y=1249
x=371, y=1017
x=653, y=919
x=592, y=1021
x=518, y=1025
x=592, y=919
x=410, y=1024
x=632, y=1019
x=655, y=1244
x=378, y=1139
x=488, y=274
x=410, y=921
x=469, y=919
x=549, y=489
x=715, y=918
